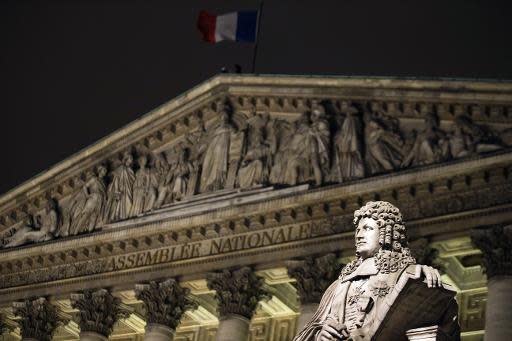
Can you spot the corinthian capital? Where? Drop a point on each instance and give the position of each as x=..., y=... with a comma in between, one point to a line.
x=165, y=302
x=314, y=275
x=4, y=327
x=237, y=291
x=38, y=318
x=496, y=244
x=99, y=310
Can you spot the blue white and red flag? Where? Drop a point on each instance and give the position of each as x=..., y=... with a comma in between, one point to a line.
x=235, y=26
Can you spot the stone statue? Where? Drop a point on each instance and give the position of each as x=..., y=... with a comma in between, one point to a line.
x=180, y=175
x=320, y=144
x=347, y=160
x=160, y=173
x=255, y=167
x=120, y=191
x=216, y=155
x=468, y=138
x=144, y=188
x=430, y=146
x=351, y=306
x=304, y=155
x=87, y=209
x=40, y=229
x=383, y=151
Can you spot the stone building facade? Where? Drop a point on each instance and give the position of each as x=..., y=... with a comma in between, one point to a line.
x=226, y=212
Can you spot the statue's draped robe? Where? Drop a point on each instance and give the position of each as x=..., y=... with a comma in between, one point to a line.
x=120, y=194
x=144, y=192
x=215, y=162
x=334, y=301
x=91, y=210
x=348, y=162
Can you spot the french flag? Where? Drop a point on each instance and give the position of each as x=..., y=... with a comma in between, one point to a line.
x=235, y=26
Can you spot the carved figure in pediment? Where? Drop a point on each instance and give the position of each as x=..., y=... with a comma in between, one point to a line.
x=468, y=138
x=144, y=188
x=320, y=144
x=180, y=175
x=215, y=162
x=160, y=172
x=384, y=145
x=280, y=136
x=296, y=156
x=89, y=204
x=255, y=166
x=430, y=146
x=39, y=229
x=347, y=159
x=120, y=191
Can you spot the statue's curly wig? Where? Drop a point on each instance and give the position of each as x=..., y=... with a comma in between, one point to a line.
x=392, y=233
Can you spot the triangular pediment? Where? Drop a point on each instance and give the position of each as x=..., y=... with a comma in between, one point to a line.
x=237, y=133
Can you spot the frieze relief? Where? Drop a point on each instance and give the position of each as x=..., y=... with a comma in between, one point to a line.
x=234, y=145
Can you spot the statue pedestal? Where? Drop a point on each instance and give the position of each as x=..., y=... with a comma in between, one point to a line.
x=422, y=334
x=158, y=332
x=92, y=336
x=233, y=327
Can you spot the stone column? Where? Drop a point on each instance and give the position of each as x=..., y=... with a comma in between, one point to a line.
x=38, y=319
x=496, y=245
x=313, y=276
x=238, y=293
x=99, y=310
x=165, y=304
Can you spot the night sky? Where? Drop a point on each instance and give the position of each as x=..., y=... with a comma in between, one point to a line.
x=71, y=72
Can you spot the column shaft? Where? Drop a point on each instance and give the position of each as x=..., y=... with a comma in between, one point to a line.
x=158, y=332
x=233, y=327
x=498, y=311
x=306, y=313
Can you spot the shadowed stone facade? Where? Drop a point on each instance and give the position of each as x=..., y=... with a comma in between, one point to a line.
x=265, y=173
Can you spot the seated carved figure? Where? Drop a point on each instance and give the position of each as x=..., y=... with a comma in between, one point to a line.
x=357, y=305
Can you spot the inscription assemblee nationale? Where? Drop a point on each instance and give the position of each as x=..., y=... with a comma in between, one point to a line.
x=167, y=254
x=212, y=247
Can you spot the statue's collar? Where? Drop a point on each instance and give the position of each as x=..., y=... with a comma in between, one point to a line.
x=366, y=268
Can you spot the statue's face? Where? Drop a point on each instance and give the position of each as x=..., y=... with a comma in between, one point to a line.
x=367, y=238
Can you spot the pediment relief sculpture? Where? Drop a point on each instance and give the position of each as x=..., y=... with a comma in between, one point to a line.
x=325, y=144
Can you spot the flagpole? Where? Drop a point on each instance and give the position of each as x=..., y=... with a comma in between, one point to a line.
x=255, y=50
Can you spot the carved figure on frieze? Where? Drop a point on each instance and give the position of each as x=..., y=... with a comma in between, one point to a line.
x=160, y=173
x=165, y=302
x=280, y=136
x=255, y=166
x=38, y=319
x=320, y=150
x=41, y=228
x=144, y=188
x=120, y=191
x=216, y=155
x=98, y=311
x=383, y=146
x=348, y=161
x=468, y=138
x=430, y=146
x=87, y=207
x=305, y=156
x=237, y=291
x=377, y=295
x=181, y=174
x=314, y=275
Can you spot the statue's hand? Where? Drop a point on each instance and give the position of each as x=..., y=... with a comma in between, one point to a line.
x=432, y=275
x=330, y=331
